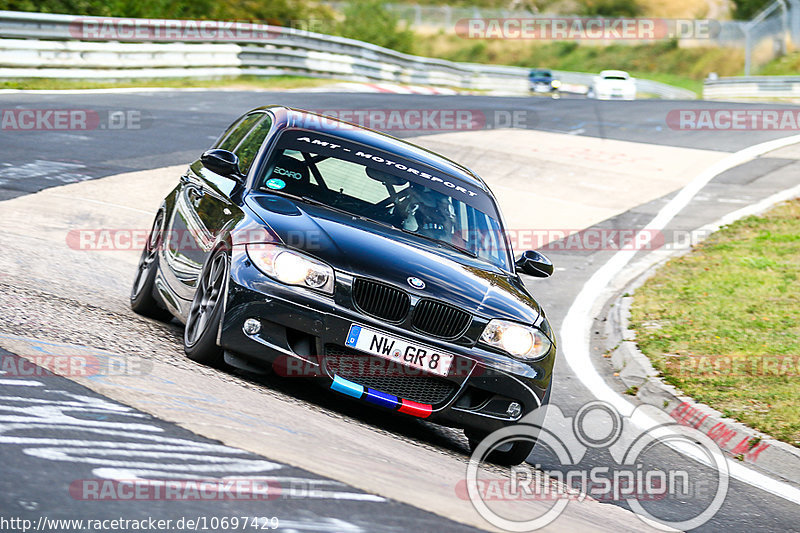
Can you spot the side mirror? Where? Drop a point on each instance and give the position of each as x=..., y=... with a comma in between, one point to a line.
x=535, y=264
x=222, y=162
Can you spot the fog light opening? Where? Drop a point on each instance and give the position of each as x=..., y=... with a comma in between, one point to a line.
x=514, y=410
x=251, y=326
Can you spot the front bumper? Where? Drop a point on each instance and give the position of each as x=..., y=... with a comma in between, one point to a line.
x=303, y=334
x=541, y=87
x=616, y=95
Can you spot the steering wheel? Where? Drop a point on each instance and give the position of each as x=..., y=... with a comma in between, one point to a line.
x=379, y=209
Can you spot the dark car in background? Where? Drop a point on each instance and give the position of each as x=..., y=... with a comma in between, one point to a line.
x=314, y=247
x=542, y=81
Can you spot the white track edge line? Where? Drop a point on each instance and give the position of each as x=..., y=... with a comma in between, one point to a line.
x=576, y=328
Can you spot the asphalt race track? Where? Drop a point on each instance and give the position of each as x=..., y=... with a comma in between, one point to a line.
x=40, y=474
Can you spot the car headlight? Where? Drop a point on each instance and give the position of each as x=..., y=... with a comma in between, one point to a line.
x=518, y=340
x=291, y=267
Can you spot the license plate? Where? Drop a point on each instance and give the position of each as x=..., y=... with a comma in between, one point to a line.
x=388, y=347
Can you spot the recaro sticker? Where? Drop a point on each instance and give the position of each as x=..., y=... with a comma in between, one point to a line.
x=288, y=173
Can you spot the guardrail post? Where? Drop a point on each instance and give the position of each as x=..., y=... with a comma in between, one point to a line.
x=784, y=26
x=794, y=16
x=748, y=49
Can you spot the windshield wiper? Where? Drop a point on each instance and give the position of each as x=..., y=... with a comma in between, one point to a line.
x=437, y=241
x=314, y=201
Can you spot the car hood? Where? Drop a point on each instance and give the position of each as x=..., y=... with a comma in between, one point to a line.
x=364, y=248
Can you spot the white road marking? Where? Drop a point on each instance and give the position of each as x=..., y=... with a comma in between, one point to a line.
x=21, y=382
x=140, y=449
x=576, y=329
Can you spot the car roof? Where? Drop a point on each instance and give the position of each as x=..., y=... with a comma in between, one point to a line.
x=287, y=117
x=620, y=73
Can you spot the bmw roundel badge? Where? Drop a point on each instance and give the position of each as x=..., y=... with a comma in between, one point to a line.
x=416, y=283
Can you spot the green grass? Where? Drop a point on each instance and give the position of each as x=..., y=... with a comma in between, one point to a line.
x=788, y=65
x=672, y=79
x=736, y=295
x=240, y=82
x=661, y=61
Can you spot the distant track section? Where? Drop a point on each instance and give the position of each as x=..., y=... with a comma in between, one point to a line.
x=36, y=45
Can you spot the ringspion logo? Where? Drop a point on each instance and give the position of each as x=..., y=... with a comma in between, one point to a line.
x=630, y=470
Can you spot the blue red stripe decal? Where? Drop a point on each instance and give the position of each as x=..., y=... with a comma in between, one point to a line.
x=422, y=410
x=350, y=388
x=347, y=387
x=382, y=399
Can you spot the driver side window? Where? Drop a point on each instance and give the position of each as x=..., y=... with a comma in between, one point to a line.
x=247, y=149
x=236, y=133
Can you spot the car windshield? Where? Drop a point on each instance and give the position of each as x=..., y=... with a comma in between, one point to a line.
x=615, y=77
x=541, y=74
x=368, y=183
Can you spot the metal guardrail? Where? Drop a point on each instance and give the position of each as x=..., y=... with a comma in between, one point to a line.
x=67, y=46
x=763, y=87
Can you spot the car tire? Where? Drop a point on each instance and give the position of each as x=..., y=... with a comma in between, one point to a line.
x=143, y=296
x=516, y=454
x=205, y=313
x=518, y=451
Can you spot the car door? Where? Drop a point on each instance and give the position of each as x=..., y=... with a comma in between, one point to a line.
x=216, y=211
x=204, y=207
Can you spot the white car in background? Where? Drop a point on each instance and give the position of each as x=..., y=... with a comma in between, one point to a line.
x=613, y=85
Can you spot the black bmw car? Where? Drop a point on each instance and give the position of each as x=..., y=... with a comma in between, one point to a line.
x=309, y=246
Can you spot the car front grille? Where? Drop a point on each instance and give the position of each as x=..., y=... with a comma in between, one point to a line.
x=388, y=377
x=440, y=319
x=379, y=300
